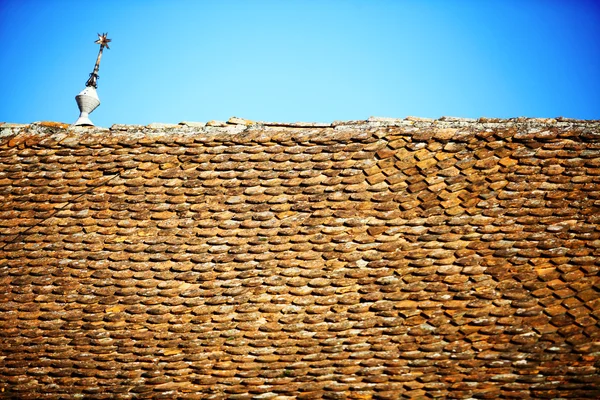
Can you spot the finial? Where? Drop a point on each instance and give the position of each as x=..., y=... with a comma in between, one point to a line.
x=88, y=100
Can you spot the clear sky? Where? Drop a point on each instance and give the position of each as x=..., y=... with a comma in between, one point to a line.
x=300, y=60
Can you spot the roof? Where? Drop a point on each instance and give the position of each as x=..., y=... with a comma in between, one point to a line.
x=381, y=258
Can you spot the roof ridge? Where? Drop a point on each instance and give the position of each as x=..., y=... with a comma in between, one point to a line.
x=379, y=121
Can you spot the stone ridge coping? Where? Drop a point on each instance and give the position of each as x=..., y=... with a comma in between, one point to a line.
x=235, y=125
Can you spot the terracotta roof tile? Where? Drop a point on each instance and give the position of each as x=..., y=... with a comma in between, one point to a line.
x=378, y=259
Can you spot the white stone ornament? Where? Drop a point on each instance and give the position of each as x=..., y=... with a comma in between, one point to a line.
x=87, y=101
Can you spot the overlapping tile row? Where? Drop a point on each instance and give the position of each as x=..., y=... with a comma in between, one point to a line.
x=381, y=259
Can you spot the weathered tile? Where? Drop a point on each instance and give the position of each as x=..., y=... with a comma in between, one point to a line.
x=373, y=258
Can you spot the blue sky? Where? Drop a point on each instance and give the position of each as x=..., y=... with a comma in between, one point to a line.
x=310, y=60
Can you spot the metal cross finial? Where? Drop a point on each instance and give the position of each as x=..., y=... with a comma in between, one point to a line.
x=103, y=41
